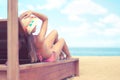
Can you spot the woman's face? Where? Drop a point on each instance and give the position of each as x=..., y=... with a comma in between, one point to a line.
x=26, y=22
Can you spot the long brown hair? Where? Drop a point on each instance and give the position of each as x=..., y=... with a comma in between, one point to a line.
x=26, y=43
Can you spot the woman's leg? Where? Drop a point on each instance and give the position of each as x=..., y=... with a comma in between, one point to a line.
x=48, y=44
x=51, y=39
x=66, y=50
x=53, y=44
x=62, y=56
x=61, y=46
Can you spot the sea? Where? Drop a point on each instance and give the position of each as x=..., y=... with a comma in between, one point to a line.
x=80, y=51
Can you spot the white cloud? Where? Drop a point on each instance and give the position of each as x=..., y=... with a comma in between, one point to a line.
x=107, y=28
x=78, y=31
x=110, y=24
x=30, y=7
x=111, y=18
x=100, y=32
x=112, y=32
x=82, y=7
x=76, y=18
x=99, y=43
x=72, y=35
x=98, y=23
x=52, y=4
x=90, y=34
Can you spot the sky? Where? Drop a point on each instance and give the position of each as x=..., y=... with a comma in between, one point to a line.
x=82, y=23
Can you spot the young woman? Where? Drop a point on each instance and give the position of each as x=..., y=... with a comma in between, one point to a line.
x=48, y=48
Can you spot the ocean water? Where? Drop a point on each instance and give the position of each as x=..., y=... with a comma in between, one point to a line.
x=94, y=51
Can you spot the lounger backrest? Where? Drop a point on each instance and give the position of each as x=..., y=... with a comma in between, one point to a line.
x=3, y=41
x=23, y=52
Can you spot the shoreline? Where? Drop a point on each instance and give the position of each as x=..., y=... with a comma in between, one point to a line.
x=98, y=68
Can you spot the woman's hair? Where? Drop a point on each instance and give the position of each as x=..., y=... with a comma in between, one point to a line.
x=23, y=43
x=26, y=42
x=32, y=49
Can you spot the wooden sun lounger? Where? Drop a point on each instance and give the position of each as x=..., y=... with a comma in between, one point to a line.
x=45, y=71
x=19, y=66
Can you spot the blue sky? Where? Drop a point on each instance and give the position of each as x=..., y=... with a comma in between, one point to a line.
x=83, y=23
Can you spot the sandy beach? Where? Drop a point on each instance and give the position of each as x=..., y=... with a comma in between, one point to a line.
x=99, y=68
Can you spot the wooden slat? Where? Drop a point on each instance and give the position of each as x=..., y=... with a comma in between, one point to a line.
x=3, y=40
x=3, y=51
x=3, y=57
x=13, y=63
x=3, y=72
x=3, y=61
x=3, y=68
x=49, y=70
x=3, y=25
x=45, y=71
x=23, y=53
x=3, y=20
x=3, y=75
x=3, y=29
x=3, y=35
x=3, y=45
x=36, y=65
x=77, y=68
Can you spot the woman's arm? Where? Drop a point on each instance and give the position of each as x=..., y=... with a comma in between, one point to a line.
x=25, y=14
x=42, y=17
x=43, y=29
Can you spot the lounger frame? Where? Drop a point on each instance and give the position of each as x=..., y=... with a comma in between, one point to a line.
x=18, y=66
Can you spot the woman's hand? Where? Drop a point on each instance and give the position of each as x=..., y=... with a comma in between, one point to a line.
x=27, y=14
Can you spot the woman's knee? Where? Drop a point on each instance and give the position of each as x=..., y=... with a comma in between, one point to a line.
x=51, y=38
x=61, y=40
x=55, y=32
x=59, y=45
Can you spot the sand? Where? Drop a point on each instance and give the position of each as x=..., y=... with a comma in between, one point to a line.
x=99, y=68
